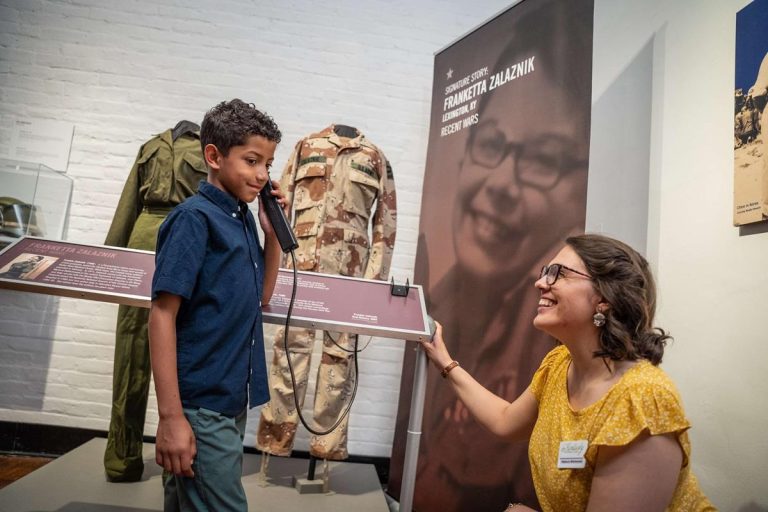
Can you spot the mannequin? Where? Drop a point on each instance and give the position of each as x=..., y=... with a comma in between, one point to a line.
x=340, y=187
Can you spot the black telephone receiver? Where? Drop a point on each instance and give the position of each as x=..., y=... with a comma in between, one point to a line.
x=277, y=218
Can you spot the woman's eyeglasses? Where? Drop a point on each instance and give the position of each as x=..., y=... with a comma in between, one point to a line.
x=538, y=164
x=554, y=271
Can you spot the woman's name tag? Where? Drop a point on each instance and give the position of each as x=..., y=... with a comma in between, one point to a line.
x=571, y=455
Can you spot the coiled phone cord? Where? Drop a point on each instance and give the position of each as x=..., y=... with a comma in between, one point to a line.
x=290, y=366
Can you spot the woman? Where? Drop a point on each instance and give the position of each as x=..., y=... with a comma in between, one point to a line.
x=605, y=426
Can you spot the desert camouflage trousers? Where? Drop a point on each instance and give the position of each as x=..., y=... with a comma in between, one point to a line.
x=278, y=422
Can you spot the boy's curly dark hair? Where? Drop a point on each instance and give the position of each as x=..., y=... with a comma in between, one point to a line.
x=230, y=123
x=623, y=278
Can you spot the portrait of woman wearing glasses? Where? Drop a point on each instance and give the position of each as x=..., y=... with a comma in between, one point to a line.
x=520, y=190
x=604, y=424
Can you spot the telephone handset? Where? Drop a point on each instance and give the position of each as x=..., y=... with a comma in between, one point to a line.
x=277, y=218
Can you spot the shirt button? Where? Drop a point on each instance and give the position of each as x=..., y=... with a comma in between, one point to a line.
x=234, y=214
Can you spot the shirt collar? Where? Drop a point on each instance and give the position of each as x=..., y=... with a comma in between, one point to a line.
x=342, y=142
x=166, y=137
x=223, y=200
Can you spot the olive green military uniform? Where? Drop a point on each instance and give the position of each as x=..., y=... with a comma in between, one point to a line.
x=332, y=183
x=166, y=172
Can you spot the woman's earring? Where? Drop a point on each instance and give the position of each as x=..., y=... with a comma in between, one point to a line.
x=598, y=319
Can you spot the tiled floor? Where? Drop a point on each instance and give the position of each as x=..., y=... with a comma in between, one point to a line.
x=13, y=467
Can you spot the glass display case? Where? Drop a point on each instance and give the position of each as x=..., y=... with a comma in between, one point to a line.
x=34, y=200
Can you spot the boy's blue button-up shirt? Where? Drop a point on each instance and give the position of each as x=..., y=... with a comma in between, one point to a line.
x=208, y=253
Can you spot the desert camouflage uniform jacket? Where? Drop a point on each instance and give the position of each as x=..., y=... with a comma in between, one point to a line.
x=332, y=183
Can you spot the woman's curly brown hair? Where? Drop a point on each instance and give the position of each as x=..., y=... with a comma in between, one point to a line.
x=623, y=278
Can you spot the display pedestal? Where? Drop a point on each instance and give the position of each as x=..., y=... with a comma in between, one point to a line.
x=306, y=486
x=75, y=482
x=323, y=301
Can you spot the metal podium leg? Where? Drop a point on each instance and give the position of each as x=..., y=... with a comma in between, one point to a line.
x=414, y=431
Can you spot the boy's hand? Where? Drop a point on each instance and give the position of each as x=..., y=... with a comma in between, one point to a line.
x=266, y=226
x=175, y=447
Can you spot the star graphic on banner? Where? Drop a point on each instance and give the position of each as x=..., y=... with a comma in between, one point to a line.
x=449, y=74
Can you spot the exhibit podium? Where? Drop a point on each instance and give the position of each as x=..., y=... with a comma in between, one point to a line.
x=331, y=302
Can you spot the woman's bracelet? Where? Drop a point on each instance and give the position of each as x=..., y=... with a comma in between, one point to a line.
x=445, y=371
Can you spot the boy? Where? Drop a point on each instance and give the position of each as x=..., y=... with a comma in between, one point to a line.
x=205, y=326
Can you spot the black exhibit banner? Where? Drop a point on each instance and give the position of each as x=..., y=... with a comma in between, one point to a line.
x=505, y=184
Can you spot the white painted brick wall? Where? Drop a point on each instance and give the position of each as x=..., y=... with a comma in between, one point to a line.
x=121, y=71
